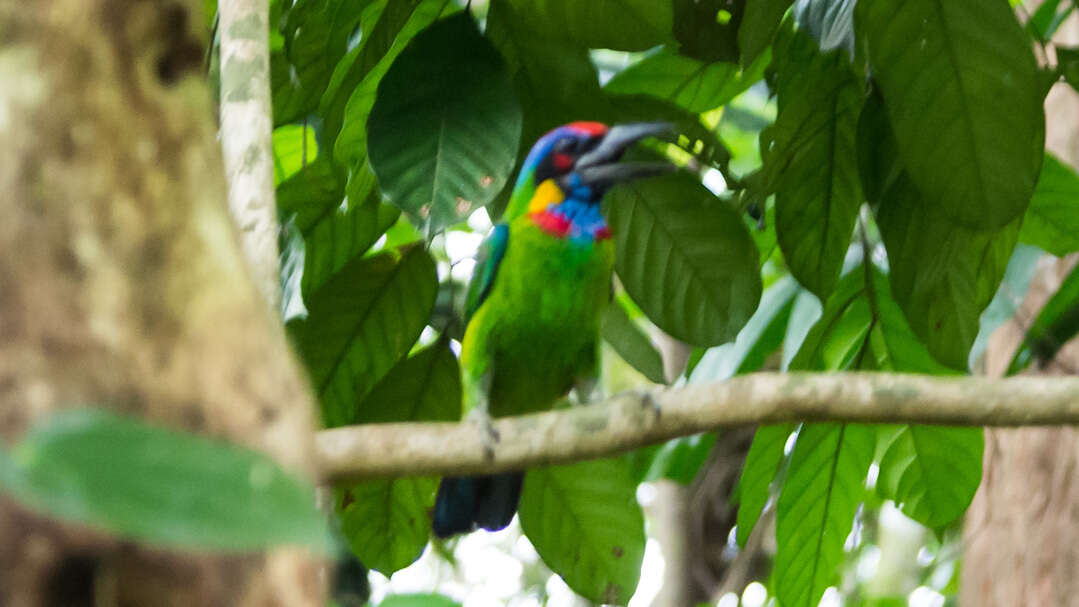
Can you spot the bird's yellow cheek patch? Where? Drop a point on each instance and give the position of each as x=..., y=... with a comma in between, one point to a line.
x=547, y=193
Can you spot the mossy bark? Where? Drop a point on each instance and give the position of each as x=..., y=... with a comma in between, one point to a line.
x=122, y=285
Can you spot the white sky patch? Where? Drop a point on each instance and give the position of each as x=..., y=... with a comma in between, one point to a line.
x=462, y=245
x=646, y=494
x=728, y=600
x=714, y=181
x=462, y=270
x=867, y=563
x=831, y=598
x=651, y=575
x=754, y=595
x=480, y=221
x=925, y=597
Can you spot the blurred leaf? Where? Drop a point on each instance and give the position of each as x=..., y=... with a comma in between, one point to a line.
x=1055, y=325
x=932, y=472
x=1068, y=65
x=386, y=522
x=1047, y=18
x=631, y=343
x=316, y=35
x=623, y=25
x=673, y=227
x=418, y=600
x=830, y=21
x=878, y=164
x=159, y=485
x=686, y=82
x=308, y=193
x=677, y=460
x=842, y=330
x=360, y=323
x=1052, y=221
x=708, y=29
x=443, y=133
x=294, y=147
x=586, y=525
x=813, y=167
x=942, y=275
x=805, y=313
x=905, y=352
x=762, y=463
x=961, y=86
x=1009, y=296
x=761, y=336
x=759, y=24
x=815, y=512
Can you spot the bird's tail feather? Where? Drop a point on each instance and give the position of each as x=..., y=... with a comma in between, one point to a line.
x=468, y=502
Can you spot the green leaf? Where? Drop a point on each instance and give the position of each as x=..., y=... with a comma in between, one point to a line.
x=1008, y=299
x=1052, y=221
x=361, y=322
x=444, y=131
x=686, y=82
x=674, y=228
x=631, y=343
x=761, y=336
x=942, y=275
x=805, y=313
x=294, y=147
x=586, y=525
x=623, y=25
x=418, y=600
x=878, y=163
x=1047, y=18
x=813, y=166
x=962, y=90
x=679, y=459
x=386, y=522
x=760, y=21
x=762, y=463
x=158, y=485
x=841, y=331
x=932, y=472
x=815, y=511
x=904, y=351
x=1055, y=325
x=708, y=29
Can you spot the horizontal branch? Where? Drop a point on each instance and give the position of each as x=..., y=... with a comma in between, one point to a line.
x=631, y=420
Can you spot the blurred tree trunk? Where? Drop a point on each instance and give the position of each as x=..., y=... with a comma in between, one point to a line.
x=122, y=285
x=1021, y=535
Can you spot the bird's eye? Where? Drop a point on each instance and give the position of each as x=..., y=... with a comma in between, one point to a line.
x=564, y=145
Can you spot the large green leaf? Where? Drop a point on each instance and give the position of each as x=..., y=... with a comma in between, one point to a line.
x=294, y=147
x=902, y=349
x=687, y=82
x=759, y=24
x=418, y=600
x=159, y=485
x=625, y=25
x=586, y=525
x=386, y=522
x=444, y=130
x=708, y=29
x=932, y=472
x=1055, y=325
x=761, y=336
x=815, y=511
x=942, y=275
x=762, y=463
x=361, y=322
x=1052, y=221
x=878, y=163
x=631, y=343
x=813, y=166
x=961, y=87
x=673, y=229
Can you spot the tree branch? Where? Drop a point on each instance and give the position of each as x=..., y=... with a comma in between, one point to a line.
x=247, y=136
x=631, y=420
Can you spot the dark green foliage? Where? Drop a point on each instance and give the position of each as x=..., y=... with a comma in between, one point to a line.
x=158, y=485
x=631, y=343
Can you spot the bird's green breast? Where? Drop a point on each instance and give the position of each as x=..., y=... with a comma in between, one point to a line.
x=536, y=331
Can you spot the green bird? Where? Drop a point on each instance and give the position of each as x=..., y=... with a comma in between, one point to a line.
x=541, y=282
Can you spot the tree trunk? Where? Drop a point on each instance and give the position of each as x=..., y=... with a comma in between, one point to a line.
x=1022, y=532
x=122, y=285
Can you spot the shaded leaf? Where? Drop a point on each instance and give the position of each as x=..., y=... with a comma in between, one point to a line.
x=760, y=21
x=840, y=333
x=878, y=164
x=762, y=463
x=708, y=29
x=624, y=25
x=1052, y=221
x=812, y=166
x=686, y=82
x=1055, y=325
x=361, y=322
x=679, y=459
x=1008, y=299
x=815, y=511
x=631, y=343
x=673, y=227
x=962, y=91
x=443, y=133
x=158, y=485
x=586, y=525
x=294, y=147
x=905, y=353
x=932, y=472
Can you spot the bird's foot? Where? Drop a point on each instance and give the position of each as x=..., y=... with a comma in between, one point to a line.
x=488, y=434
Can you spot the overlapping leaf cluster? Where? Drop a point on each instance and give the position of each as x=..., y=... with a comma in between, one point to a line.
x=893, y=186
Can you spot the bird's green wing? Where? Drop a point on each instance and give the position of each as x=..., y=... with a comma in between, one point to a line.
x=488, y=258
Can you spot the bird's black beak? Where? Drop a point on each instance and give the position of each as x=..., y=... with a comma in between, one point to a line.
x=600, y=169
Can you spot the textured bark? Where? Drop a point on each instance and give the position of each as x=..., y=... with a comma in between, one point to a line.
x=123, y=285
